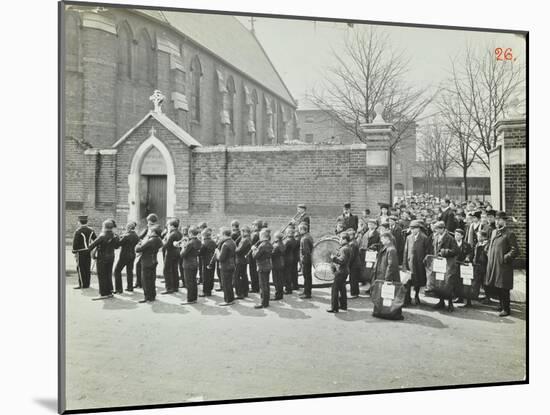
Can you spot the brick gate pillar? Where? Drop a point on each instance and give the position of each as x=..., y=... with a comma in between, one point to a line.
x=378, y=135
x=512, y=142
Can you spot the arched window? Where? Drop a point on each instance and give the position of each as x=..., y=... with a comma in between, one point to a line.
x=280, y=124
x=230, y=106
x=124, y=51
x=144, y=58
x=254, y=116
x=268, y=121
x=196, y=74
x=72, y=42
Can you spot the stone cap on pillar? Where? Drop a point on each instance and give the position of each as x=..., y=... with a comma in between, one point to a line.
x=379, y=129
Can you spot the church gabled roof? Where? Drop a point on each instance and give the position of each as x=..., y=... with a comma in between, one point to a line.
x=170, y=125
x=226, y=37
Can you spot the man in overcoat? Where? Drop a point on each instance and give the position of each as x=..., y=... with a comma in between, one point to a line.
x=503, y=248
x=416, y=249
x=348, y=219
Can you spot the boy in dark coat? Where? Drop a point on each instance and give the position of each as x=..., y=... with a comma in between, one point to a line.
x=190, y=261
x=226, y=260
x=354, y=264
x=206, y=253
x=262, y=255
x=444, y=245
x=241, y=276
x=254, y=238
x=82, y=239
x=106, y=244
x=465, y=255
x=149, y=249
x=306, y=249
x=278, y=264
x=170, y=245
x=338, y=295
x=127, y=243
x=291, y=260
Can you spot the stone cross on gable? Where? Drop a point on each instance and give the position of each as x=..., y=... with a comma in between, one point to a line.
x=157, y=99
x=152, y=131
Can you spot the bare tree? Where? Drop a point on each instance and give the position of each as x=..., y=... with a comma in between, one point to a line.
x=483, y=86
x=436, y=147
x=367, y=71
x=459, y=123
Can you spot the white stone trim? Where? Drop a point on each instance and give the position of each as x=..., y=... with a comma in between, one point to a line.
x=109, y=151
x=166, y=45
x=514, y=156
x=176, y=62
x=180, y=101
x=98, y=21
x=135, y=173
x=91, y=152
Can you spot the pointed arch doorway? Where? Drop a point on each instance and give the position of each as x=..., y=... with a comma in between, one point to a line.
x=151, y=182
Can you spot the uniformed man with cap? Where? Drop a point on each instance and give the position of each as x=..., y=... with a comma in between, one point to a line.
x=225, y=255
x=291, y=261
x=82, y=239
x=170, y=245
x=303, y=217
x=206, y=253
x=417, y=246
x=348, y=219
x=189, y=253
x=240, y=278
x=341, y=262
x=201, y=226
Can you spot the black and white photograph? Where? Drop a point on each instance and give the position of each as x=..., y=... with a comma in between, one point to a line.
x=261, y=206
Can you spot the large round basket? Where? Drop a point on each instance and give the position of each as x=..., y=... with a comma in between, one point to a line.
x=321, y=257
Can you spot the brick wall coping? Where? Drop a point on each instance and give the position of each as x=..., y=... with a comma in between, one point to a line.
x=170, y=125
x=279, y=148
x=510, y=124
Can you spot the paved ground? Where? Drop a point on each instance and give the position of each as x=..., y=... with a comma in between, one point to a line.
x=120, y=352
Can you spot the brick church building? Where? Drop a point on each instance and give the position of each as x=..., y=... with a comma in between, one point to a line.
x=184, y=115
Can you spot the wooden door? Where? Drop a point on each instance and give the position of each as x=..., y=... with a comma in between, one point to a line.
x=156, y=197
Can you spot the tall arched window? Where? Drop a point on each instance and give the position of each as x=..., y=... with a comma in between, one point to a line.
x=231, y=97
x=124, y=51
x=72, y=42
x=144, y=58
x=280, y=121
x=196, y=74
x=254, y=116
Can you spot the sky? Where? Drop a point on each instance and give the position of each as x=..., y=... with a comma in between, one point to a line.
x=301, y=50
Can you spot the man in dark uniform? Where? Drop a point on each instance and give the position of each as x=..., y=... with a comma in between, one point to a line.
x=348, y=219
x=306, y=249
x=127, y=243
x=241, y=277
x=255, y=237
x=447, y=216
x=291, y=261
x=149, y=247
x=397, y=233
x=338, y=295
x=262, y=255
x=226, y=259
x=302, y=216
x=171, y=258
x=206, y=253
x=503, y=248
x=152, y=220
x=82, y=239
x=184, y=235
x=189, y=253
x=202, y=226
x=416, y=248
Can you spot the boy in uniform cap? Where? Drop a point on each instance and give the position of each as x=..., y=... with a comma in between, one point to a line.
x=341, y=262
x=503, y=249
x=444, y=245
x=348, y=219
x=152, y=220
x=171, y=259
x=106, y=244
x=278, y=264
x=201, y=226
x=254, y=238
x=226, y=259
x=149, y=248
x=354, y=264
x=82, y=238
x=189, y=254
x=206, y=253
x=291, y=261
x=262, y=255
x=465, y=253
x=235, y=231
x=127, y=243
x=397, y=233
x=306, y=249
x=241, y=276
